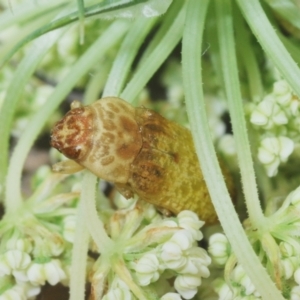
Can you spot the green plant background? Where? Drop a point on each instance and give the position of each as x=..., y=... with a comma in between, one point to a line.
x=230, y=49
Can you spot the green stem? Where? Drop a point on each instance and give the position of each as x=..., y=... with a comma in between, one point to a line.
x=79, y=253
x=247, y=54
x=97, y=82
x=24, y=71
x=27, y=11
x=60, y=21
x=267, y=37
x=105, y=42
x=126, y=54
x=162, y=30
x=93, y=222
x=156, y=57
x=121, y=270
x=80, y=4
x=192, y=78
x=235, y=103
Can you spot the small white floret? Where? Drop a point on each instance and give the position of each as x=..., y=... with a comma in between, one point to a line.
x=147, y=269
x=274, y=150
x=187, y=285
x=190, y=221
x=50, y=271
x=17, y=259
x=295, y=293
x=171, y=296
x=219, y=248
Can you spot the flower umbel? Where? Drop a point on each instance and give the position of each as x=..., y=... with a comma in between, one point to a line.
x=277, y=117
x=33, y=249
x=278, y=246
x=151, y=251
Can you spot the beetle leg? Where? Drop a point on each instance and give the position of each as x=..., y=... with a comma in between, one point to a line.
x=124, y=190
x=67, y=167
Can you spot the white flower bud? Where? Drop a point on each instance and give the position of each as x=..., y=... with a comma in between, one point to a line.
x=17, y=292
x=279, y=116
x=69, y=225
x=274, y=150
x=56, y=245
x=118, y=294
x=219, y=248
x=173, y=251
x=294, y=196
x=151, y=214
x=184, y=238
x=50, y=271
x=286, y=148
x=282, y=92
x=240, y=276
x=197, y=262
x=297, y=276
x=190, y=221
x=224, y=291
x=147, y=269
x=35, y=274
x=187, y=285
x=286, y=249
x=227, y=145
x=294, y=107
x=262, y=113
x=122, y=202
x=268, y=113
x=248, y=285
x=23, y=245
x=12, y=295
x=20, y=276
x=168, y=223
x=295, y=293
x=238, y=273
x=171, y=296
x=172, y=256
x=289, y=265
x=32, y=291
x=17, y=259
x=5, y=269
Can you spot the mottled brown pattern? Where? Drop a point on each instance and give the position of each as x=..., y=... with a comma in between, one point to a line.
x=166, y=172
x=107, y=137
x=113, y=107
x=73, y=134
x=109, y=125
x=140, y=151
x=127, y=124
x=125, y=151
x=107, y=160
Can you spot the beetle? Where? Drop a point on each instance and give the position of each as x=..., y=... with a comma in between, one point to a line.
x=139, y=151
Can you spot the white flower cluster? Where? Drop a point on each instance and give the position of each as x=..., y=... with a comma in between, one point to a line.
x=119, y=290
x=33, y=249
x=24, y=274
x=278, y=116
x=156, y=249
x=273, y=151
x=284, y=230
x=288, y=217
x=179, y=254
x=240, y=286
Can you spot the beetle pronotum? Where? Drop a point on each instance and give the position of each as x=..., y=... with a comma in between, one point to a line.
x=138, y=150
